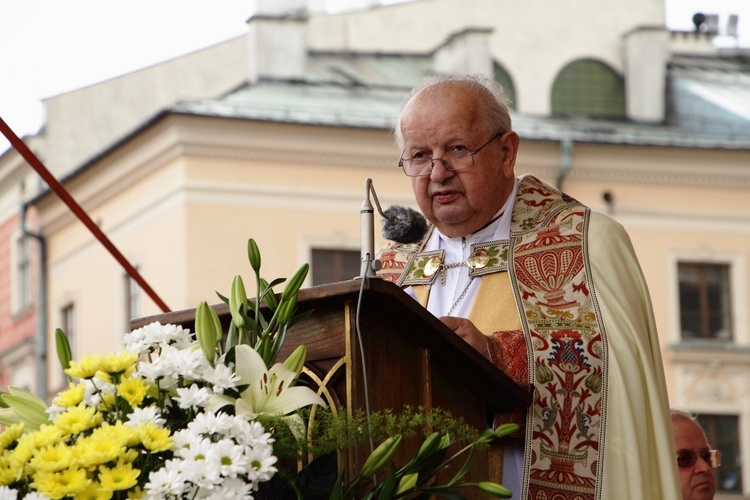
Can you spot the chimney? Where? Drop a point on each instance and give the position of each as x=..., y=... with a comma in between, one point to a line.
x=465, y=52
x=645, y=63
x=277, y=38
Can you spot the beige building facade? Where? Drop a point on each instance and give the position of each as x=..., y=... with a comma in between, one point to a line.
x=181, y=183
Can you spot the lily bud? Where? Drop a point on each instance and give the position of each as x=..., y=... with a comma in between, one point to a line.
x=295, y=282
x=238, y=302
x=253, y=255
x=429, y=445
x=381, y=456
x=207, y=330
x=506, y=429
x=286, y=310
x=270, y=297
x=408, y=482
x=296, y=361
x=494, y=489
x=63, y=348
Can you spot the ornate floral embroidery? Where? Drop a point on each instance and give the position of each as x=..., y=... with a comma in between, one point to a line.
x=567, y=368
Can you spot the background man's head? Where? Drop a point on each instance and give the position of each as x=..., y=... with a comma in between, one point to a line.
x=446, y=114
x=698, y=481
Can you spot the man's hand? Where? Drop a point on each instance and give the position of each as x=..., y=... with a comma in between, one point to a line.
x=467, y=331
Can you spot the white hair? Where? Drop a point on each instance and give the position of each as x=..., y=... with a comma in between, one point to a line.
x=494, y=98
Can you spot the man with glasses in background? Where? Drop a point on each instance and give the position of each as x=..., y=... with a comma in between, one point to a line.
x=548, y=290
x=695, y=458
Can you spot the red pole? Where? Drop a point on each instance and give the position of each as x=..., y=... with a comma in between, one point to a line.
x=78, y=211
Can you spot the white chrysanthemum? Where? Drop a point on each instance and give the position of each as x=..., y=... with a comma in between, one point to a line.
x=52, y=411
x=149, y=414
x=94, y=390
x=251, y=433
x=192, y=397
x=261, y=462
x=156, y=336
x=166, y=481
x=229, y=489
x=35, y=496
x=212, y=423
x=185, y=363
x=7, y=494
x=196, y=450
x=205, y=475
x=228, y=457
x=221, y=377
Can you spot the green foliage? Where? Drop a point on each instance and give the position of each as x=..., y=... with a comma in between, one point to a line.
x=262, y=329
x=426, y=474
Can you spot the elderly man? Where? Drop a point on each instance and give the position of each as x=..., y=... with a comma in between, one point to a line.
x=548, y=290
x=695, y=459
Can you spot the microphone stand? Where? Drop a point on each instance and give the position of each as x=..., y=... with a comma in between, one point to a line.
x=367, y=221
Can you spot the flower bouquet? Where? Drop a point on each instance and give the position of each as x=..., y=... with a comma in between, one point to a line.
x=178, y=415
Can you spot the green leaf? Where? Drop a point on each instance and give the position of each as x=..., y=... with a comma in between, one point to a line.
x=23, y=407
x=387, y=487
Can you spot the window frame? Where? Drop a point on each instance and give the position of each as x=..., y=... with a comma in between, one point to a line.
x=737, y=291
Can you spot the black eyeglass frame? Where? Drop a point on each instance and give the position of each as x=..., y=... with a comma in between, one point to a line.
x=444, y=162
x=688, y=459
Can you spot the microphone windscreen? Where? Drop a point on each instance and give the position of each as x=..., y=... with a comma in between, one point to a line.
x=404, y=225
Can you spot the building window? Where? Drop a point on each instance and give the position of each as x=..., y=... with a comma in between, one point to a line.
x=132, y=301
x=333, y=265
x=705, y=301
x=588, y=88
x=722, y=432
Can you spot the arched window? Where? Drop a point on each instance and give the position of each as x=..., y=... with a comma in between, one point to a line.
x=588, y=88
x=504, y=79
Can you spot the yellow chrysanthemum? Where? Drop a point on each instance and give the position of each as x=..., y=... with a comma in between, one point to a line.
x=135, y=494
x=154, y=438
x=27, y=445
x=71, y=397
x=116, y=364
x=52, y=458
x=10, y=471
x=118, y=478
x=86, y=368
x=11, y=434
x=93, y=491
x=61, y=484
x=130, y=455
x=109, y=399
x=94, y=452
x=133, y=390
x=78, y=419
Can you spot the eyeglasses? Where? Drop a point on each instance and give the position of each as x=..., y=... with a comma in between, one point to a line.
x=687, y=459
x=456, y=158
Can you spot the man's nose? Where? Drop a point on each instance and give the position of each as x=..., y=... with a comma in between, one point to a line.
x=439, y=171
x=703, y=465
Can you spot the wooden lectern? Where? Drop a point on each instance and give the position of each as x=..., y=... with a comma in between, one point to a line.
x=405, y=356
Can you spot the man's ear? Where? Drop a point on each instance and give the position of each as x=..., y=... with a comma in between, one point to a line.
x=509, y=146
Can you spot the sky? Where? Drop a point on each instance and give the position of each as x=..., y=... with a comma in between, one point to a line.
x=48, y=47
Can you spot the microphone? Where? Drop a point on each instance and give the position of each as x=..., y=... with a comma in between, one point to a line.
x=400, y=224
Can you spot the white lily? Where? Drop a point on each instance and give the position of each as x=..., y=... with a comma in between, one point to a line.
x=269, y=391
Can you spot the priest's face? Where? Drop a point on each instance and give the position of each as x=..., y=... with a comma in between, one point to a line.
x=451, y=118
